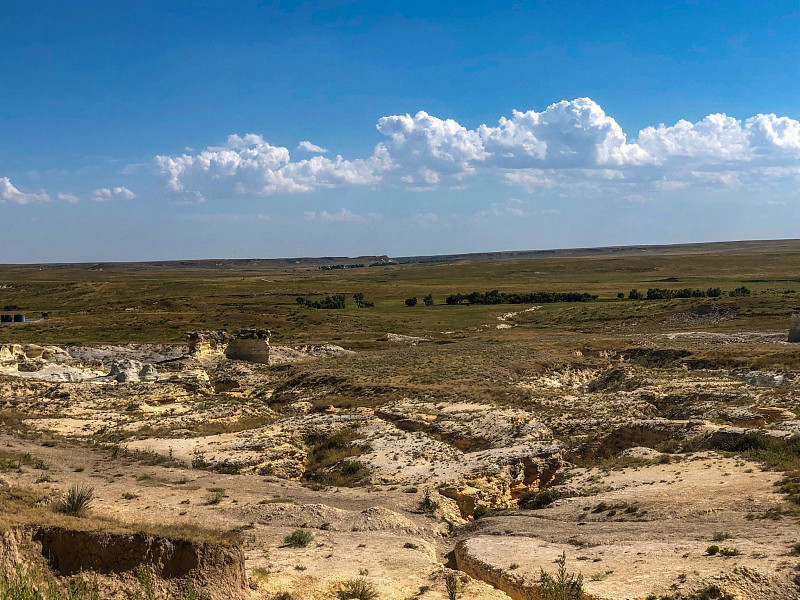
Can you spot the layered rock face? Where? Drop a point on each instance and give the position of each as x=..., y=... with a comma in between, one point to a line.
x=207, y=344
x=251, y=345
x=124, y=371
x=215, y=569
x=26, y=352
x=497, y=478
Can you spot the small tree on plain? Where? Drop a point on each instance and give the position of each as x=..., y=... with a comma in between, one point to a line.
x=411, y=301
x=428, y=300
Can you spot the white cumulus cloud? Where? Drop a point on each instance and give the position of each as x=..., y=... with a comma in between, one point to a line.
x=71, y=198
x=10, y=194
x=343, y=216
x=571, y=145
x=313, y=148
x=248, y=165
x=106, y=194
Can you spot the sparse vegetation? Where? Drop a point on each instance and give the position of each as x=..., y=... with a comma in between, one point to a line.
x=337, y=301
x=775, y=453
x=356, y=589
x=564, y=586
x=299, y=538
x=26, y=583
x=327, y=459
x=711, y=592
x=76, y=501
x=582, y=363
x=427, y=504
x=451, y=585
x=534, y=500
x=215, y=496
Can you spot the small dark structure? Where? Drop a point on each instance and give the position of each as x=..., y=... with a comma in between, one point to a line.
x=794, y=329
x=6, y=319
x=19, y=318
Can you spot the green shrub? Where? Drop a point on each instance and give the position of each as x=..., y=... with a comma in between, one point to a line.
x=451, y=584
x=189, y=592
x=214, y=496
x=24, y=584
x=427, y=504
x=480, y=511
x=729, y=552
x=326, y=459
x=7, y=464
x=411, y=301
x=227, y=467
x=775, y=453
x=145, y=578
x=356, y=589
x=533, y=500
x=299, y=538
x=563, y=586
x=76, y=502
x=712, y=550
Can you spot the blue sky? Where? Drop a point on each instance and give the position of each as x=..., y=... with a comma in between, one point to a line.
x=139, y=130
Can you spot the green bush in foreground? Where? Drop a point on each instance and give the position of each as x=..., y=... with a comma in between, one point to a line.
x=356, y=589
x=24, y=584
x=76, y=502
x=563, y=586
x=299, y=538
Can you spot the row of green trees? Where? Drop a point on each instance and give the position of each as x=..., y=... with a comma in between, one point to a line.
x=427, y=301
x=497, y=297
x=337, y=301
x=667, y=294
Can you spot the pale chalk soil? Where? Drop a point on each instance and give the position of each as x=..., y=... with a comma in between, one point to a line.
x=655, y=541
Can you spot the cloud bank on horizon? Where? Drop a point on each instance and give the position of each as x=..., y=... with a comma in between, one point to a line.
x=570, y=146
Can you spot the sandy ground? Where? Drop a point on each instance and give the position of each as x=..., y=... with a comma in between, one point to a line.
x=379, y=533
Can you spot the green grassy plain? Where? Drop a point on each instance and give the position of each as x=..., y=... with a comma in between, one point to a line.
x=158, y=303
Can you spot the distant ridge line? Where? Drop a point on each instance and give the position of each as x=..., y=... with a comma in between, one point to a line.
x=221, y=263
x=698, y=246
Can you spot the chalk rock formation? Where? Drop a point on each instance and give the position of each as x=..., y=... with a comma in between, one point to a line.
x=285, y=354
x=207, y=344
x=497, y=478
x=27, y=352
x=794, y=329
x=124, y=371
x=251, y=345
x=217, y=570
